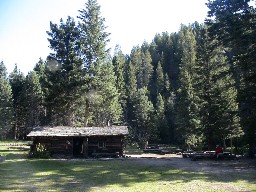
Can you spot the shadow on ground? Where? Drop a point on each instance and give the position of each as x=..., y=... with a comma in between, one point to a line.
x=79, y=174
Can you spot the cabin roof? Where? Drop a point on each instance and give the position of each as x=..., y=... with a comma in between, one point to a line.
x=65, y=131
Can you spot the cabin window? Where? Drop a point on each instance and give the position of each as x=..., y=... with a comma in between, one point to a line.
x=102, y=144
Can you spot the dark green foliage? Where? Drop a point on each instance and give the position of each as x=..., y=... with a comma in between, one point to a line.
x=65, y=74
x=164, y=49
x=159, y=79
x=102, y=99
x=106, y=107
x=217, y=91
x=119, y=62
x=34, y=101
x=17, y=81
x=188, y=120
x=6, y=108
x=234, y=23
x=131, y=89
x=143, y=126
x=141, y=60
x=160, y=120
x=182, y=88
x=93, y=37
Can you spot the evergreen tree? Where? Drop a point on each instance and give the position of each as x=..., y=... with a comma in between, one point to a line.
x=216, y=88
x=144, y=128
x=106, y=107
x=169, y=100
x=167, y=91
x=188, y=120
x=233, y=23
x=40, y=68
x=159, y=79
x=131, y=89
x=65, y=75
x=164, y=48
x=119, y=63
x=136, y=61
x=93, y=37
x=160, y=119
x=17, y=81
x=34, y=98
x=147, y=68
x=6, y=108
x=143, y=66
x=96, y=58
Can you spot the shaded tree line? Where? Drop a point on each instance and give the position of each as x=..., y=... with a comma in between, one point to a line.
x=194, y=87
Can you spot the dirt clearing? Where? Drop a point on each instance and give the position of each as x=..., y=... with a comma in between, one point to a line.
x=176, y=161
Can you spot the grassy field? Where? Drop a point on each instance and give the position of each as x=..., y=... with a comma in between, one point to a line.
x=18, y=173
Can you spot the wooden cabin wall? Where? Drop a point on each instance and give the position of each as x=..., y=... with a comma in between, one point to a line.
x=107, y=144
x=91, y=145
x=57, y=145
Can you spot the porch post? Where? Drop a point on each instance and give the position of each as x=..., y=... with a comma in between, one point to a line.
x=85, y=147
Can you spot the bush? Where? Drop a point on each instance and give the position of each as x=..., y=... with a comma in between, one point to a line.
x=40, y=151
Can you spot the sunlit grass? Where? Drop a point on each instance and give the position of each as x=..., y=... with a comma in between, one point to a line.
x=18, y=173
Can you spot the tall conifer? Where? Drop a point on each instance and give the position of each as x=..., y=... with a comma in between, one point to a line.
x=233, y=23
x=65, y=74
x=188, y=120
x=6, y=108
x=96, y=60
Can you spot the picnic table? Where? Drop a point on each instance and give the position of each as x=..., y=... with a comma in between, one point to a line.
x=196, y=155
x=202, y=155
x=162, y=149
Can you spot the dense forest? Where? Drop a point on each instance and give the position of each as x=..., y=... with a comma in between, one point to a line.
x=192, y=88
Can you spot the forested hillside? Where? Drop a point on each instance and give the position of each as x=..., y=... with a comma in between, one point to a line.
x=194, y=88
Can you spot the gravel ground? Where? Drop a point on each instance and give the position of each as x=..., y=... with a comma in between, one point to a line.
x=177, y=161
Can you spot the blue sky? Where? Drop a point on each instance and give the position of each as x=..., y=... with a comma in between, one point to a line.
x=23, y=38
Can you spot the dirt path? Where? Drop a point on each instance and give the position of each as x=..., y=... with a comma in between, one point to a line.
x=177, y=161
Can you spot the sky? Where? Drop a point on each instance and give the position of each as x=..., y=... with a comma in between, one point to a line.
x=23, y=38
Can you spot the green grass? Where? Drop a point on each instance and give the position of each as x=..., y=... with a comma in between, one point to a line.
x=18, y=173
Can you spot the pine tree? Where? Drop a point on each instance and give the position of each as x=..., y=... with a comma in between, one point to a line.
x=216, y=88
x=164, y=49
x=160, y=119
x=143, y=66
x=6, y=108
x=159, y=79
x=96, y=60
x=170, y=101
x=131, y=89
x=93, y=37
x=40, y=68
x=136, y=61
x=106, y=107
x=233, y=24
x=34, y=98
x=147, y=68
x=119, y=63
x=65, y=74
x=17, y=81
x=144, y=128
x=188, y=120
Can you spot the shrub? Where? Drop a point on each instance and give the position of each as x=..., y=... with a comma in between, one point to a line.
x=40, y=151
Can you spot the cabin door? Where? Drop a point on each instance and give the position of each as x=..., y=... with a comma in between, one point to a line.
x=78, y=147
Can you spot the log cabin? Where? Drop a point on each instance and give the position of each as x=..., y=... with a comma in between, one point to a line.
x=82, y=142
